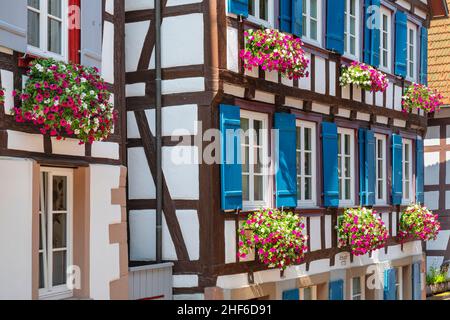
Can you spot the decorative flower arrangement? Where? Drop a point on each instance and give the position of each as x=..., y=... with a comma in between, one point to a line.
x=66, y=98
x=419, y=223
x=272, y=50
x=277, y=237
x=362, y=230
x=418, y=96
x=364, y=76
x=2, y=96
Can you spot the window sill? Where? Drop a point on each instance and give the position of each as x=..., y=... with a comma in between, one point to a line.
x=261, y=22
x=39, y=53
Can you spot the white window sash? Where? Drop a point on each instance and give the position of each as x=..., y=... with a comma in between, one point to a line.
x=302, y=203
x=313, y=293
x=399, y=283
x=307, y=38
x=388, y=14
x=407, y=201
x=347, y=38
x=413, y=59
x=354, y=295
x=383, y=200
x=256, y=17
x=351, y=133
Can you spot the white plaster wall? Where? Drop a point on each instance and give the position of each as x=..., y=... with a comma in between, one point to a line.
x=131, y=5
x=132, y=128
x=8, y=86
x=183, y=85
x=432, y=200
x=320, y=75
x=398, y=98
x=305, y=83
x=332, y=67
x=135, y=90
x=109, y=6
x=104, y=257
x=107, y=150
x=315, y=233
x=369, y=97
x=16, y=228
x=232, y=50
x=140, y=180
x=185, y=281
x=431, y=161
x=134, y=41
x=441, y=241
x=433, y=136
x=390, y=96
x=25, y=141
x=230, y=242
x=70, y=147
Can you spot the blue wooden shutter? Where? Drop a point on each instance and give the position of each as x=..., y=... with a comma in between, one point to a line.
x=419, y=171
x=13, y=24
x=286, y=20
x=423, y=55
x=335, y=25
x=397, y=170
x=370, y=167
x=400, y=43
x=297, y=17
x=285, y=155
x=362, y=166
x=91, y=33
x=390, y=290
x=371, y=34
x=416, y=282
x=330, y=165
x=336, y=290
x=293, y=294
x=231, y=167
x=239, y=7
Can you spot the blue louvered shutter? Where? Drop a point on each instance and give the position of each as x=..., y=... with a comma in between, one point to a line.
x=91, y=33
x=286, y=162
x=390, y=290
x=239, y=7
x=297, y=17
x=286, y=20
x=330, y=165
x=367, y=32
x=336, y=290
x=370, y=167
x=416, y=282
x=335, y=25
x=397, y=170
x=375, y=39
x=13, y=25
x=400, y=43
x=419, y=171
x=231, y=167
x=293, y=294
x=362, y=166
x=423, y=55
x=372, y=33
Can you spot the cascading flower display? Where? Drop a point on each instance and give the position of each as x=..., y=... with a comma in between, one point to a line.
x=418, y=222
x=277, y=236
x=62, y=98
x=362, y=230
x=364, y=76
x=2, y=96
x=418, y=96
x=273, y=50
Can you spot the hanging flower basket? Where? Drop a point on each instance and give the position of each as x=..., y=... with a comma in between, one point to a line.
x=2, y=96
x=419, y=223
x=273, y=50
x=62, y=98
x=364, y=76
x=418, y=96
x=362, y=230
x=277, y=237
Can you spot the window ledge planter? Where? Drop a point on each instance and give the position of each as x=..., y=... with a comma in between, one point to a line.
x=418, y=96
x=419, y=223
x=437, y=288
x=363, y=76
x=273, y=50
x=66, y=99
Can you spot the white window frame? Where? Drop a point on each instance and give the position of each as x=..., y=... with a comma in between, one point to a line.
x=354, y=295
x=256, y=17
x=59, y=292
x=413, y=59
x=251, y=204
x=386, y=12
x=399, y=283
x=381, y=200
x=408, y=142
x=351, y=133
x=307, y=37
x=347, y=52
x=302, y=203
x=313, y=293
x=42, y=50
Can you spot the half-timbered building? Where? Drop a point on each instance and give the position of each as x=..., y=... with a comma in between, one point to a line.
x=63, y=230
x=204, y=85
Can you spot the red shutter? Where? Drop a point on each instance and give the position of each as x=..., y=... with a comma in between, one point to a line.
x=74, y=30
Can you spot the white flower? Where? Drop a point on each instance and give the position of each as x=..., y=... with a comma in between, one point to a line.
x=77, y=131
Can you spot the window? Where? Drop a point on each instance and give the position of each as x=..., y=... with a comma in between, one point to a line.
x=306, y=164
x=351, y=28
x=261, y=11
x=311, y=20
x=47, y=28
x=254, y=159
x=309, y=293
x=399, y=283
x=412, y=51
x=407, y=171
x=385, y=37
x=357, y=289
x=55, y=236
x=346, y=156
x=380, y=188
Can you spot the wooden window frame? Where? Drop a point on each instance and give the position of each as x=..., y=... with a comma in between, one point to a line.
x=270, y=23
x=352, y=200
x=388, y=13
x=353, y=295
x=357, y=35
x=411, y=27
x=381, y=201
x=409, y=142
x=313, y=293
x=307, y=26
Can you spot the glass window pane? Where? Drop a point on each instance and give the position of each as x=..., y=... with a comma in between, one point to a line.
x=41, y=271
x=54, y=8
x=299, y=188
x=245, y=188
x=347, y=167
x=339, y=143
x=313, y=4
x=299, y=138
x=347, y=190
x=251, y=7
x=244, y=128
x=33, y=29
x=308, y=189
x=352, y=45
x=347, y=144
x=313, y=30
x=34, y=3
x=54, y=36
x=308, y=139
x=245, y=159
x=257, y=132
x=59, y=193
x=352, y=26
x=356, y=286
x=263, y=9
x=59, y=230
x=308, y=163
x=258, y=188
x=41, y=236
x=307, y=294
x=258, y=160
x=59, y=268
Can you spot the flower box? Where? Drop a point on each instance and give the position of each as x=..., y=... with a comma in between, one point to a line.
x=66, y=99
x=364, y=76
x=419, y=223
x=277, y=237
x=273, y=50
x=418, y=96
